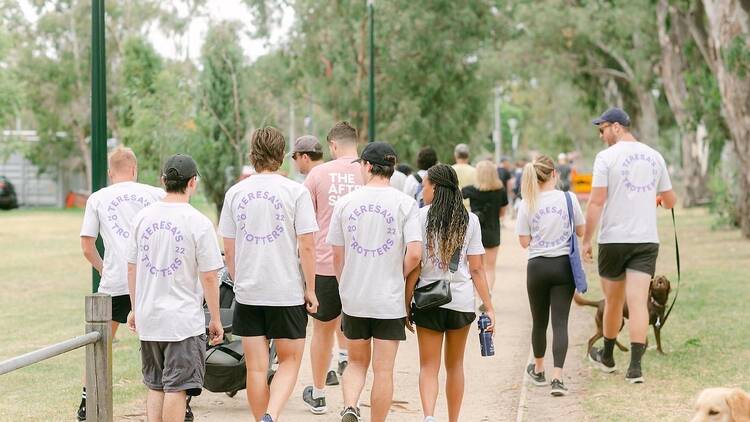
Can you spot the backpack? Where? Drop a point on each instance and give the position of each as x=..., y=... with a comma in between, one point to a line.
x=418, y=195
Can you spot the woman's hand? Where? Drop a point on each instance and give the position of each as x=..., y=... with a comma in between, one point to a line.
x=491, y=315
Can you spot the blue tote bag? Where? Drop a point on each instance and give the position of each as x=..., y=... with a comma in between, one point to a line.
x=579, y=275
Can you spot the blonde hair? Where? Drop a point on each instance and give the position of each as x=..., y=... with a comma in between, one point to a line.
x=487, y=178
x=535, y=173
x=122, y=159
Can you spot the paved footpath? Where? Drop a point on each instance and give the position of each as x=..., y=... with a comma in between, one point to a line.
x=495, y=387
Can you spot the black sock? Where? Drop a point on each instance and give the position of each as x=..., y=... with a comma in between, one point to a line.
x=609, y=347
x=636, y=353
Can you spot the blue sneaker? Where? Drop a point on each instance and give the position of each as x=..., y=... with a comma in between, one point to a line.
x=266, y=418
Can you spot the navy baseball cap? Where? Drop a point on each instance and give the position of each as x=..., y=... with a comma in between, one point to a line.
x=380, y=153
x=180, y=167
x=613, y=115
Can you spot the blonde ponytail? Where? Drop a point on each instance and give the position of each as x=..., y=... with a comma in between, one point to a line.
x=534, y=175
x=529, y=186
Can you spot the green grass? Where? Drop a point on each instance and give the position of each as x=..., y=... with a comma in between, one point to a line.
x=44, y=281
x=707, y=337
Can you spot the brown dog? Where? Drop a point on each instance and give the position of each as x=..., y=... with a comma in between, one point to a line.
x=722, y=405
x=658, y=294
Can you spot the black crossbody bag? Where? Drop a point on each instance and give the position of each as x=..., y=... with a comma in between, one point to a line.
x=438, y=293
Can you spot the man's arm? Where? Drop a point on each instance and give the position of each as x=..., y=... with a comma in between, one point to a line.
x=131, y=291
x=229, y=255
x=88, y=246
x=412, y=258
x=306, y=245
x=593, y=214
x=210, y=283
x=338, y=260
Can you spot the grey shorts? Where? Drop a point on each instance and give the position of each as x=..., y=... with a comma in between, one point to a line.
x=173, y=366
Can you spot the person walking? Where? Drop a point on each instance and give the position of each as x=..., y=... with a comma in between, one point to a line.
x=426, y=158
x=447, y=229
x=543, y=226
x=266, y=221
x=306, y=154
x=327, y=183
x=627, y=178
x=467, y=174
x=488, y=200
x=376, y=241
x=110, y=212
x=172, y=247
x=563, y=172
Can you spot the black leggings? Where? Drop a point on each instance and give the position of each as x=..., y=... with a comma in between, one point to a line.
x=549, y=282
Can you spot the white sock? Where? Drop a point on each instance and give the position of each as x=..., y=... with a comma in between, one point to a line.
x=343, y=355
x=430, y=419
x=318, y=393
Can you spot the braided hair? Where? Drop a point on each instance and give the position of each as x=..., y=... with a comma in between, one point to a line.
x=447, y=218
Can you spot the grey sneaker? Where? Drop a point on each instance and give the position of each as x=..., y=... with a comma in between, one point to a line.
x=558, y=388
x=332, y=378
x=316, y=406
x=597, y=358
x=536, y=378
x=634, y=375
x=350, y=414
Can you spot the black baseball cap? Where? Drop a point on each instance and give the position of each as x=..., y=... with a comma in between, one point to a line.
x=613, y=115
x=378, y=153
x=180, y=167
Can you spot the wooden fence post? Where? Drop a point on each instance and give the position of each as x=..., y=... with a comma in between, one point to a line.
x=99, y=359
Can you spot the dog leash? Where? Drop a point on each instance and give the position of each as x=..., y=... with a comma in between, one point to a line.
x=659, y=323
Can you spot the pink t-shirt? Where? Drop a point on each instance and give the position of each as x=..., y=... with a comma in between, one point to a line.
x=327, y=183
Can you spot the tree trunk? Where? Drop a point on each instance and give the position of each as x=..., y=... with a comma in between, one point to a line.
x=648, y=121
x=673, y=34
x=728, y=23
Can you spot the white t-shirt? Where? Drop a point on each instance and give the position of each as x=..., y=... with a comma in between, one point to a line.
x=110, y=211
x=172, y=244
x=374, y=224
x=264, y=214
x=397, y=180
x=462, y=287
x=633, y=174
x=549, y=225
x=412, y=187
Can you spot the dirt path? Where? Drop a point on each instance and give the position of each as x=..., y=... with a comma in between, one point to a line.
x=493, y=385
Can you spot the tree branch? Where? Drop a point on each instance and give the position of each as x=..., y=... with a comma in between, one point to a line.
x=618, y=58
x=605, y=71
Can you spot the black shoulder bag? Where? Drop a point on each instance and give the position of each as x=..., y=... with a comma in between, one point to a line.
x=438, y=293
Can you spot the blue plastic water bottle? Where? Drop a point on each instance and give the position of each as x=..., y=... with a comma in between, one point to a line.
x=485, y=337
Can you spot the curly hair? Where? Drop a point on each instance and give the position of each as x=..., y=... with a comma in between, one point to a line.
x=267, y=149
x=447, y=218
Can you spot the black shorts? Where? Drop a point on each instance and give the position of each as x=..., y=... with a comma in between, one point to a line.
x=329, y=301
x=357, y=328
x=173, y=366
x=616, y=258
x=271, y=322
x=441, y=319
x=120, y=308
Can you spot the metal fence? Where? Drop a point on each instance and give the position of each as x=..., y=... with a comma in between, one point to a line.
x=98, y=357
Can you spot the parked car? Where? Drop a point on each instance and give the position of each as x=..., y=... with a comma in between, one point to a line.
x=8, y=199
